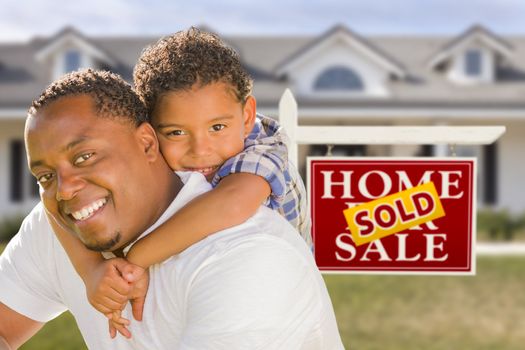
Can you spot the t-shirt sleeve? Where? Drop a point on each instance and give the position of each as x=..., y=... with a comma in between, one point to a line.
x=28, y=278
x=259, y=295
x=265, y=154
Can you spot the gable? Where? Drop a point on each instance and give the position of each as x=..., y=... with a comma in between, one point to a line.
x=473, y=57
x=69, y=50
x=362, y=70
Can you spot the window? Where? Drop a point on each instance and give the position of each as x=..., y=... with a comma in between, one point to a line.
x=34, y=189
x=71, y=61
x=425, y=151
x=338, y=150
x=19, y=176
x=473, y=63
x=16, y=170
x=490, y=172
x=339, y=78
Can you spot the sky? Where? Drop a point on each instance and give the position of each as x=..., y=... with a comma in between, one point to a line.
x=21, y=20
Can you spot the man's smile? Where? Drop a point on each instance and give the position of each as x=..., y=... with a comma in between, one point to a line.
x=89, y=210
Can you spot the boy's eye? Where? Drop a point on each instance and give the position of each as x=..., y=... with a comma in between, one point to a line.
x=42, y=179
x=175, y=133
x=83, y=158
x=217, y=127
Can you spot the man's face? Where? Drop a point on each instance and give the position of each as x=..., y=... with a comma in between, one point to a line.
x=93, y=172
x=200, y=129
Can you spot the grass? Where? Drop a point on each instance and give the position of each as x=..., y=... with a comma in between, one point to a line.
x=486, y=311
x=61, y=333
x=481, y=312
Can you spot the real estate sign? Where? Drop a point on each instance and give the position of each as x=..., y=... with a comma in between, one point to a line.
x=391, y=215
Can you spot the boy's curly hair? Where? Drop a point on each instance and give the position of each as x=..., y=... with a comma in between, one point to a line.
x=112, y=96
x=179, y=61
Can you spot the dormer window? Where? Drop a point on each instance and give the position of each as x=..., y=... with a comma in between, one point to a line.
x=473, y=63
x=71, y=61
x=339, y=79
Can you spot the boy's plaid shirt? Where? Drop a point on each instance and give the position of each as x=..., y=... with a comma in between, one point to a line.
x=266, y=154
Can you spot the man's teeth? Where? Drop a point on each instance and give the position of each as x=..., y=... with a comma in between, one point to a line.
x=86, y=212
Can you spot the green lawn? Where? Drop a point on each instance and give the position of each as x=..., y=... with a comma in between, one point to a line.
x=486, y=311
x=61, y=333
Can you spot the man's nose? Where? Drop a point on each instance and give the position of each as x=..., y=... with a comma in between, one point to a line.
x=68, y=185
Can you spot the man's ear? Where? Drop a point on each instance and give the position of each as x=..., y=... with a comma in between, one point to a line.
x=249, y=112
x=148, y=141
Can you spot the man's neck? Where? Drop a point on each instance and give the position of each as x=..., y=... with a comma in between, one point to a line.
x=166, y=195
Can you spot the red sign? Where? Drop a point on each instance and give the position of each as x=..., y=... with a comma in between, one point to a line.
x=411, y=215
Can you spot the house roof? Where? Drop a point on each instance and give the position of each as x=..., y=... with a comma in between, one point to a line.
x=495, y=42
x=376, y=53
x=71, y=34
x=22, y=77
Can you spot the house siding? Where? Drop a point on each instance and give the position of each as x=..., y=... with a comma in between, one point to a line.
x=426, y=90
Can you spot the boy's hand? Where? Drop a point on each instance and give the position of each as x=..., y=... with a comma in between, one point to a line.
x=138, y=278
x=138, y=281
x=106, y=289
x=118, y=323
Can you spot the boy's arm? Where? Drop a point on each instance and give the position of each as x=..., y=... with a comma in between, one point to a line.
x=265, y=154
x=235, y=199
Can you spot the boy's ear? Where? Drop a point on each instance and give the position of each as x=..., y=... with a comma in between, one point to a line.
x=148, y=141
x=249, y=112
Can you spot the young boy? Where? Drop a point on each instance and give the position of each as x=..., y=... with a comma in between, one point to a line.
x=199, y=100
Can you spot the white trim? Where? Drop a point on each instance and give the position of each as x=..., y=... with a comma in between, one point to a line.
x=398, y=135
x=306, y=113
x=288, y=108
x=81, y=44
x=319, y=48
x=484, y=38
x=381, y=135
x=13, y=113
x=423, y=113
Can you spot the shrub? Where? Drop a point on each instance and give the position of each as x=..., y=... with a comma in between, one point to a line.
x=9, y=227
x=499, y=224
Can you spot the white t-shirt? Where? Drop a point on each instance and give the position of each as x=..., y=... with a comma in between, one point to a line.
x=253, y=286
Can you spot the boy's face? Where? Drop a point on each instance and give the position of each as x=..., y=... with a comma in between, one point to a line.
x=200, y=129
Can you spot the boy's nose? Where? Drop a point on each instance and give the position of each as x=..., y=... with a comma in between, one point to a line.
x=201, y=146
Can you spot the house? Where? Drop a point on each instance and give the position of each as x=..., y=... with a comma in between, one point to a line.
x=338, y=78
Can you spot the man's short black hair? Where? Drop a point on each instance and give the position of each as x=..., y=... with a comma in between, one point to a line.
x=112, y=96
x=177, y=62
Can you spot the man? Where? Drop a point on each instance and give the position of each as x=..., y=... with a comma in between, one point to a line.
x=254, y=286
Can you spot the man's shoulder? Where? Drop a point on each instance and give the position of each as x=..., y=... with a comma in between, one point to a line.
x=266, y=232
x=36, y=222
x=35, y=233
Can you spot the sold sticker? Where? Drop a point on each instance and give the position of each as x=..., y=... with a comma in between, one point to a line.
x=394, y=213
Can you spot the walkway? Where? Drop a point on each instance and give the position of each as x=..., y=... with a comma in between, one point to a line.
x=503, y=248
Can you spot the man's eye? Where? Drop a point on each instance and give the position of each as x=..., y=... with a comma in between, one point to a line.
x=175, y=133
x=217, y=127
x=44, y=178
x=83, y=158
